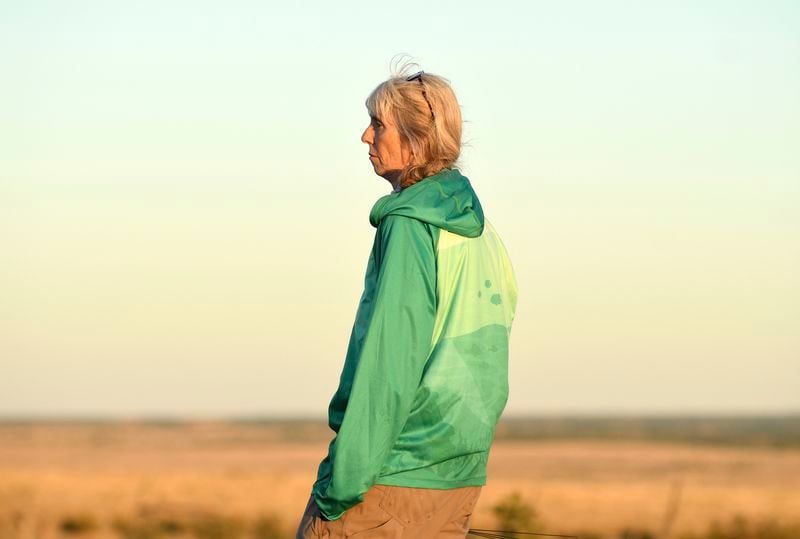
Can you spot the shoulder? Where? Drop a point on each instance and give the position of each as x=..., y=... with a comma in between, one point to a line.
x=396, y=230
x=401, y=225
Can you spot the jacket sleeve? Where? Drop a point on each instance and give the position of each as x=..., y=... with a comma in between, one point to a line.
x=390, y=361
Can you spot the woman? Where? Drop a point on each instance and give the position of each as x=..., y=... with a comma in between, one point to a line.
x=425, y=378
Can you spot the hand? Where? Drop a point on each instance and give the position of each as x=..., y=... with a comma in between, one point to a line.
x=318, y=512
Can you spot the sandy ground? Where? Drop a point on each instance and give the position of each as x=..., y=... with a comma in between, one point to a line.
x=50, y=471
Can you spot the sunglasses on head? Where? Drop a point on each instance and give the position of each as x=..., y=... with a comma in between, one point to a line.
x=418, y=76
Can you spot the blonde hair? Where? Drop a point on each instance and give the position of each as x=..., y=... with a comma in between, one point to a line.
x=428, y=117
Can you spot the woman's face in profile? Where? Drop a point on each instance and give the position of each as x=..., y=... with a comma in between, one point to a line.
x=387, y=152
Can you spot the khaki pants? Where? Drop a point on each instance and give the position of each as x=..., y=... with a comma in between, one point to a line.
x=389, y=512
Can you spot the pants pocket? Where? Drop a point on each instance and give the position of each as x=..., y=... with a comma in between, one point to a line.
x=391, y=529
x=312, y=525
x=463, y=517
x=369, y=520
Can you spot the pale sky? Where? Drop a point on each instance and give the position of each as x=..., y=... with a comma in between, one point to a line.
x=184, y=198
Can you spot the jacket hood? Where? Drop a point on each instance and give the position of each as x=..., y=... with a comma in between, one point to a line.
x=445, y=200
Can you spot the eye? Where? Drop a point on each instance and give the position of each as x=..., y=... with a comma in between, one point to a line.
x=376, y=122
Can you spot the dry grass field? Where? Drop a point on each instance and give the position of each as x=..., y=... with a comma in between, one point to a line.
x=97, y=480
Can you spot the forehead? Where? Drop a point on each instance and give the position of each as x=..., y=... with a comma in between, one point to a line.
x=377, y=113
x=379, y=103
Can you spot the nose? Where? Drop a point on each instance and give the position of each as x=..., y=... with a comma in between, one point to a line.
x=366, y=136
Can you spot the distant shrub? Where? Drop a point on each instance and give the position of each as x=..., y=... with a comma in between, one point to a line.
x=155, y=523
x=210, y=526
x=137, y=528
x=76, y=524
x=738, y=527
x=514, y=514
x=268, y=527
x=172, y=525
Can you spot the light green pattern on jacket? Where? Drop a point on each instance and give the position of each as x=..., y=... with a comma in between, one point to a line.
x=466, y=267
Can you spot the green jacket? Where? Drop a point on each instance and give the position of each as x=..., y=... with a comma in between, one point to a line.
x=425, y=378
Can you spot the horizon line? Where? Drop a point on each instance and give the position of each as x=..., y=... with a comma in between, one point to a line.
x=322, y=418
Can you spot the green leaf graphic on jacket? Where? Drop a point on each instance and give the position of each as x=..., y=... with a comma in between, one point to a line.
x=425, y=378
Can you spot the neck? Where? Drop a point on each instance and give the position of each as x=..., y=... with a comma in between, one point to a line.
x=393, y=177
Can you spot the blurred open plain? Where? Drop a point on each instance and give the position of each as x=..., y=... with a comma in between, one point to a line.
x=53, y=476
